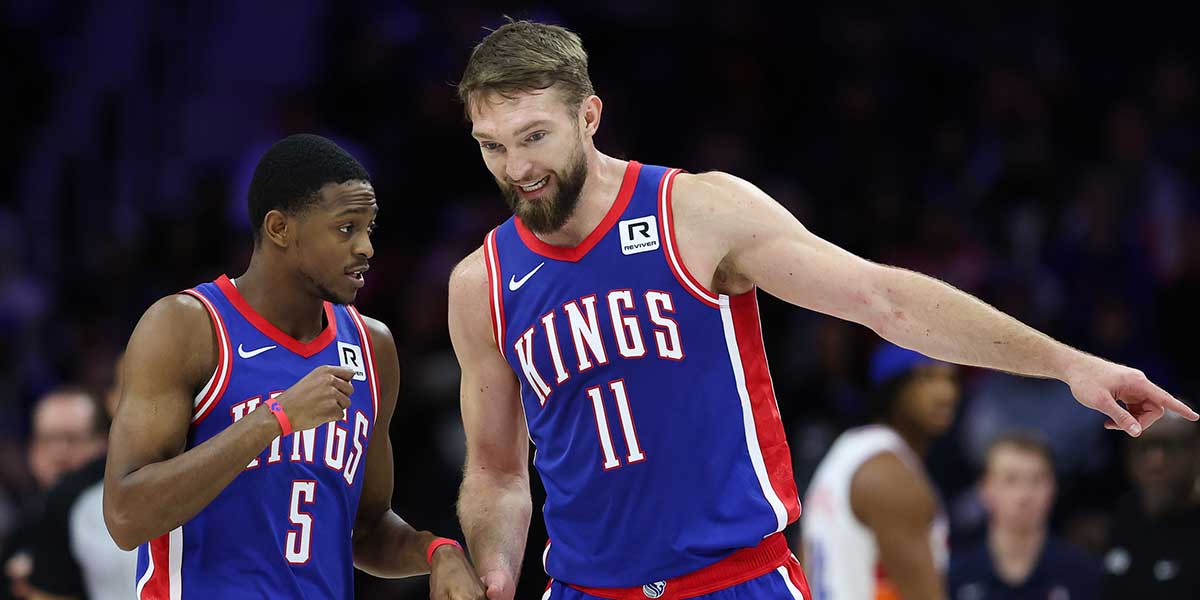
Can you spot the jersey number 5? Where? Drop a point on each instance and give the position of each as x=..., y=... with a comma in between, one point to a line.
x=631, y=439
x=298, y=544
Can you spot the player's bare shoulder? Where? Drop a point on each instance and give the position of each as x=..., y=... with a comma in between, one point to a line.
x=469, y=285
x=713, y=194
x=887, y=487
x=470, y=306
x=470, y=274
x=711, y=213
x=177, y=329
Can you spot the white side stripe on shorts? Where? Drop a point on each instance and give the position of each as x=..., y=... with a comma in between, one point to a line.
x=787, y=580
x=546, y=596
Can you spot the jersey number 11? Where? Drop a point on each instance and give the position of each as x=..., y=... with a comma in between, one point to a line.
x=631, y=439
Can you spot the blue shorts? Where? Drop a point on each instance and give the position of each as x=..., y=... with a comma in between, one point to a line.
x=781, y=579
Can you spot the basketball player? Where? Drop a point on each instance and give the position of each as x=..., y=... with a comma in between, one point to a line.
x=873, y=528
x=250, y=455
x=615, y=314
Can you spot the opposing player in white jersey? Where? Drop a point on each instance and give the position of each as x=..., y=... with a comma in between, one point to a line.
x=872, y=526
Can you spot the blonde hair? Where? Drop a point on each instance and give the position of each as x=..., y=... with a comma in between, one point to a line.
x=523, y=56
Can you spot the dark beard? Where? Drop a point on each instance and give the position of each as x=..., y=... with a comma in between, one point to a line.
x=550, y=213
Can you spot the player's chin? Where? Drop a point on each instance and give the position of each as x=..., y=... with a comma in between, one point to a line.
x=940, y=424
x=342, y=293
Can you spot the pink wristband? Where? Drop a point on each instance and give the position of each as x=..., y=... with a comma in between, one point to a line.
x=277, y=410
x=438, y=543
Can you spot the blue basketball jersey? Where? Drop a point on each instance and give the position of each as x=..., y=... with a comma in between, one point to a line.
x=647, y=396
x=282, y=528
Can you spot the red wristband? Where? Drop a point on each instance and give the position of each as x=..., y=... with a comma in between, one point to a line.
x=277, y=409
x=438, y=543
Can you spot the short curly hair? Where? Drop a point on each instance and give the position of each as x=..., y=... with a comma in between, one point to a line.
x=292, y=172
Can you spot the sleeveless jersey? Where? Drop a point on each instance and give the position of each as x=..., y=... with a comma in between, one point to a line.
x=647, y=396
x=282, y=528
x=841, y=558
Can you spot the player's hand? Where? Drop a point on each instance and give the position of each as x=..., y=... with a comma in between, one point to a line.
x=1099, y=385
x=451, y=576
x=320, y=397
x=500, y=585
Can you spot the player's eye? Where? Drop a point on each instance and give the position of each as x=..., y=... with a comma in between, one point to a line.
x=490, y=146
x=347, y=228
x=536, y=136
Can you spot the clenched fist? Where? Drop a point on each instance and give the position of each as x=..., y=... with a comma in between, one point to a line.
x=452, y=577
x=320, y=397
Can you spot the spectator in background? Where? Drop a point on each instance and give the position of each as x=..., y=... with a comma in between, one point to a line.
x=67, y=433
x=73, y=554
x=1020, y=559
x=1154, y=548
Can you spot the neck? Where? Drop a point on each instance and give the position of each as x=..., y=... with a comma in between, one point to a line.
x=919, y=442
x=1015, y=551
x=281, y=298
x=600, y=189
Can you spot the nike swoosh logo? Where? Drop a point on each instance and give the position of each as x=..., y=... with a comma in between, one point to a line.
x=251, y=354
x=515, y=284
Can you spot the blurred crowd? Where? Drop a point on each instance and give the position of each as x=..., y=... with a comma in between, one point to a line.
x=1043, y=156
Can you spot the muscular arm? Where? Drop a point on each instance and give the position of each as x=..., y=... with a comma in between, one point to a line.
x=493, y=504
x=898, y=506
x=384, y=545
x=740, y=237
x=151, y=485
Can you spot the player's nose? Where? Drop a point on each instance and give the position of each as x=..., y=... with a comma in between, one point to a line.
x=364, y=247
x=517, y=168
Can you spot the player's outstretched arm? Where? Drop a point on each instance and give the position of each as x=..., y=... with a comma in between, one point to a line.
x=151, y=485
x=384, y=545
x=493, y=504
x=761, y=243
x=898, y=506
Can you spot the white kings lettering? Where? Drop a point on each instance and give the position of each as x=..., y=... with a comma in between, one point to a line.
x=341, y=453
x=588, y=337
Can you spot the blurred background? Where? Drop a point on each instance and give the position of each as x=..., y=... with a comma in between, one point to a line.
x=1042, y=155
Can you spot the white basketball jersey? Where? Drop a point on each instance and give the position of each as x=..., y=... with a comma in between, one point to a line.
x=841, y=558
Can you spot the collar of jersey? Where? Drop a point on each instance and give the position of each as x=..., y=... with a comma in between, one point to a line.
x=575, y=253
x=265, y=327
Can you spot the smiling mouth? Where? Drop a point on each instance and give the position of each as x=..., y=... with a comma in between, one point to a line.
x=535, y=186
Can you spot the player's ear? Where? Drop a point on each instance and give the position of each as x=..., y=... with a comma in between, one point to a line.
x=277, y=229
x=589, y=115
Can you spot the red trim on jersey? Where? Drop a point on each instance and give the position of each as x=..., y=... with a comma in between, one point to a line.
x=739, y=567
x=260, y=323
x=666, y=223
x=369, y=349
x=796, y=574
x=491, y=258
x=574, y=253
x=221, y=377
x=772, y=440
x=159, y=585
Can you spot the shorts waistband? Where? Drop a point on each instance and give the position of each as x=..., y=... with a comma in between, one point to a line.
x=739, y=567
